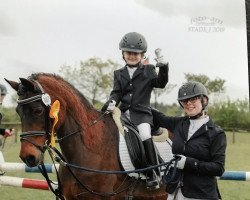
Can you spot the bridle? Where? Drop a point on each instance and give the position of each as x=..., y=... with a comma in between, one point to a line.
x=46, y=102
x=26, y=135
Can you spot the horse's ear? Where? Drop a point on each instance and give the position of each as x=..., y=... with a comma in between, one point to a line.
x=27, y=84
x=13, y=84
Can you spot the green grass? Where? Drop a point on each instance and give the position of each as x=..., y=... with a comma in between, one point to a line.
x=237, y=159
x=11, y=154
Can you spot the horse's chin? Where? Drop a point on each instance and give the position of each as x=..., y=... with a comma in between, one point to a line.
x=32, y=160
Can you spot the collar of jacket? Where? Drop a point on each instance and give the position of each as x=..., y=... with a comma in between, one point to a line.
x=139, y=64
x=125, y=74
x=203, y=129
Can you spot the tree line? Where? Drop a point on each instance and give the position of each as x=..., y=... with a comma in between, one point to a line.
x=94, y=78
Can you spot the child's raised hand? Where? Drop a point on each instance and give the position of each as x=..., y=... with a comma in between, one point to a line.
x=159, y=58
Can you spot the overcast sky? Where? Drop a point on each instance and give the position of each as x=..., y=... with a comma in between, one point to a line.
x=197, y=36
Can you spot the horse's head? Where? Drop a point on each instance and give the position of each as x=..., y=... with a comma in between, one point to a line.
x=33, y=108
x=76, y=114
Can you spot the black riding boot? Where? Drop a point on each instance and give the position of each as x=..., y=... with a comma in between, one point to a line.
x=152, y=180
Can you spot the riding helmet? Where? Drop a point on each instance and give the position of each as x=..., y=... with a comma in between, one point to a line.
x=193, y=89
x=133, y=42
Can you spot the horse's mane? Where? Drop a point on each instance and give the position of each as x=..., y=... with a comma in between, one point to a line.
x=66, y=84
x=80, y=108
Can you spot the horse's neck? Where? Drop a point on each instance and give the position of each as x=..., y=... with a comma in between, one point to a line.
x=92, y=140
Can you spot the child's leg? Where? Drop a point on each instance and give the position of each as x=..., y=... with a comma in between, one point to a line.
x=145, y=134
x=144, y=131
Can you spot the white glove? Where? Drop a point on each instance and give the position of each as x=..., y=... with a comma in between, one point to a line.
x=159, y=57
x=181, y=162
x=111, y=106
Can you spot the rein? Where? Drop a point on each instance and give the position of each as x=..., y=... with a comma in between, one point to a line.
x=59, y=158
x=62, y=161
x=85, y=128
x=166, y=164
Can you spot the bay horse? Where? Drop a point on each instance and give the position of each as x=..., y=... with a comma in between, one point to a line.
x=93, y=146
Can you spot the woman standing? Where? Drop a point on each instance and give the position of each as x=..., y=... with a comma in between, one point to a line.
x=198, y=141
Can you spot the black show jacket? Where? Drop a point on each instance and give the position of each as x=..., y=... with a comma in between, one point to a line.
x=205, y=152
x=134, y=94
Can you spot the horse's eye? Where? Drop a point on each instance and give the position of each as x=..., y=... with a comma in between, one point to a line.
x=38, y=111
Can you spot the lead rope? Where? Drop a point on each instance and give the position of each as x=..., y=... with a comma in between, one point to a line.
x=58, y=191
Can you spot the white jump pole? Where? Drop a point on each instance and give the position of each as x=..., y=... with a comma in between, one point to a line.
x=25, y=183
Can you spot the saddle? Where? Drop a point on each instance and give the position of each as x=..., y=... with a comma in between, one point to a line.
x=133, y=141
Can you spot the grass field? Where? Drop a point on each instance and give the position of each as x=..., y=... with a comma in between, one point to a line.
x=237, y=159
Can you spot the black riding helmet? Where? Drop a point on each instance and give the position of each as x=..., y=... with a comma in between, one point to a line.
x=133, y=42
x=193, y=89
x=3, y=90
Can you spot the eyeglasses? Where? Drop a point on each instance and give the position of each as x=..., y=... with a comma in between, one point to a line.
x=191, y=100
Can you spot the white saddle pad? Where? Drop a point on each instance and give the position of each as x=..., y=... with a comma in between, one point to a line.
x=164, y=149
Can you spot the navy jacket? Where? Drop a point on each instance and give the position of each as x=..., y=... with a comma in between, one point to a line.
x=134, y=94
x=205, y=152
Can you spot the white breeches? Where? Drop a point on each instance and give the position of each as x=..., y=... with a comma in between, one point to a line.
x=143, y=128
x=144, y=131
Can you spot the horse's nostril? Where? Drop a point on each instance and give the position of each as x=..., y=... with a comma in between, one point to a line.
x=30, y=161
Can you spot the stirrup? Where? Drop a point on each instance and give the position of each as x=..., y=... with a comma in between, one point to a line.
x=153, y=183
